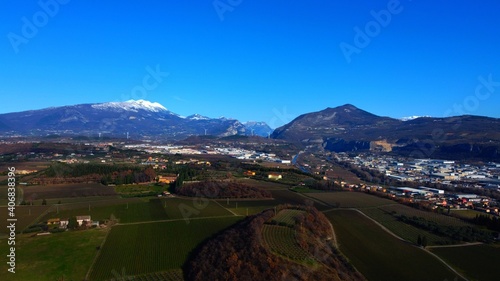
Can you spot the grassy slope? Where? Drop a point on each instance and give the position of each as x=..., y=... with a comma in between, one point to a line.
x=47, y=258
x=476, y=262
x=380, y=256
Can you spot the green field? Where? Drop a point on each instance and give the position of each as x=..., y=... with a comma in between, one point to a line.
x=183, y=208
x=281, y=240
x=290, y=197
x=468, y=214
x=137, y=210
x=287, y=216
x=138, y=190
x=351, y=199
x=241, y=207
x=280, y=196
x=264, y=184
x=380, y=256
x=441, y=219
x=125, y=213
x=476, y=262
x=50, y=257
x=153, y=247
x=403, y=230
x=72, y=200
x=25, y=215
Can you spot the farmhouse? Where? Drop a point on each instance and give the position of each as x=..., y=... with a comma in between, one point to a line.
x=83, y=220
x=63, y=223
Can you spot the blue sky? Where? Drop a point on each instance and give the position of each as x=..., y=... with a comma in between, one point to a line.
x=254, y=59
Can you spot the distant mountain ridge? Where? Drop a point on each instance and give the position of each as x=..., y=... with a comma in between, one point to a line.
x=348, y=128
x=135, y=118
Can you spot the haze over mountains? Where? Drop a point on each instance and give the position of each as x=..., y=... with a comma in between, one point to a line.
x=341, y=129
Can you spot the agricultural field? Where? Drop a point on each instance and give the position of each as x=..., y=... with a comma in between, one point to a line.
x=290, y=197
x=241, y=207
x=280, y=193
x=468, y=214
x=124, y=212
x=66, y=190
x=139, y=190
x=380, y=256
x=52, y=257
x=263, y=184
x=153, y=247
x=170, y=275
x=478, y=262
x=345, y=174
x=351, y=199
x=400, y=209
x=287, y=216
x=71, y=200
x=180, y=208
x=303, y=189
x=403, y=230
x=131, y=210
x=26, y=215
x=281, y=240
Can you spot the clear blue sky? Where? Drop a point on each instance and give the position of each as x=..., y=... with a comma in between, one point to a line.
x=257, y=60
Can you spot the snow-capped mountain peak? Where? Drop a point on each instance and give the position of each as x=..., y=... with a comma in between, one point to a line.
x=131, y=105
x=197, y=117
x=411, y=117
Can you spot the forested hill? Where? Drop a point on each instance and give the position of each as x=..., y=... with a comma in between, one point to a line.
x=247, y=250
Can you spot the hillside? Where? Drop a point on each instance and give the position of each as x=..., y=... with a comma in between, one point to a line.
x=347, y=128
x=242, y=253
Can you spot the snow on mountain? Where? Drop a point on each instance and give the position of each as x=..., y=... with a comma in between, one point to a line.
x=197, y=117
x=411, y=117
x=131, y=105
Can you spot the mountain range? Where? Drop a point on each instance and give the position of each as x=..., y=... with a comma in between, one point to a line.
x=348, y=128
x=133, y=118
x=341, y=129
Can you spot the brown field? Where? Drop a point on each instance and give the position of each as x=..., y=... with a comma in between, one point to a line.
x=346, y=175
x=67, y=190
